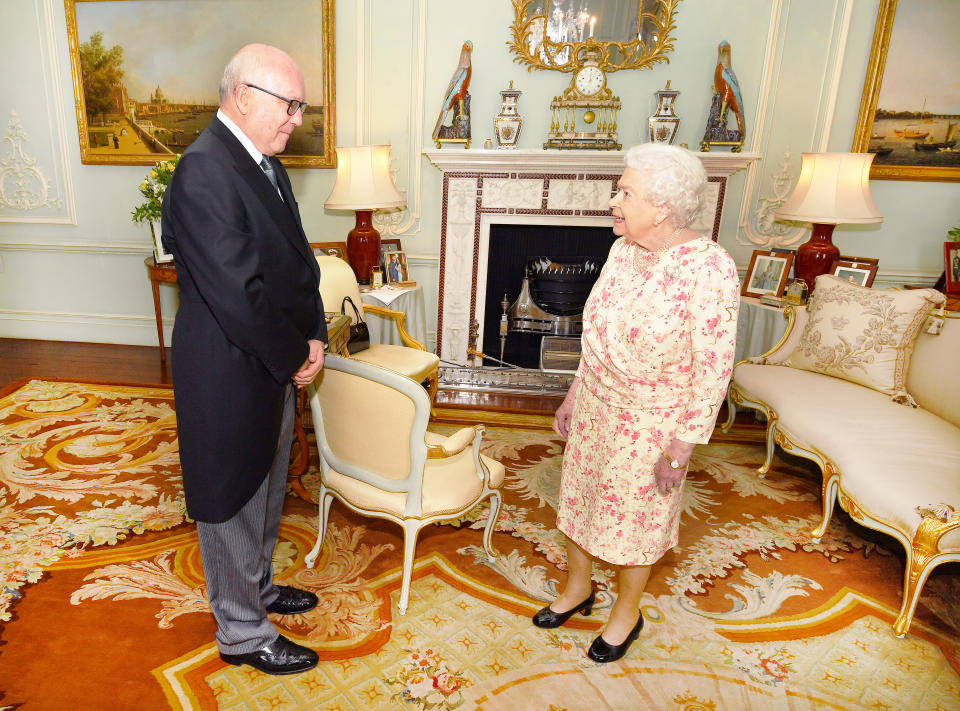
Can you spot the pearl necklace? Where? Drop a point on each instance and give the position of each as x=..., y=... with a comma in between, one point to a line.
x=644, y=259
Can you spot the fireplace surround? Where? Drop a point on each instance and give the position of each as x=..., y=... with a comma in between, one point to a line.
x=527, y=187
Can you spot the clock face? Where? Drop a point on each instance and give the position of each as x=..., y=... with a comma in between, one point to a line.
x=589, y=80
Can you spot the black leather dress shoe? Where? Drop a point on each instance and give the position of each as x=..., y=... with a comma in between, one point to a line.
x=280, y=657
x=603, y=652
x=292, y=601
x=548, y=619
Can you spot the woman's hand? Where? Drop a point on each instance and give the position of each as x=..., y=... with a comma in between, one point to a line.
x=667, y=477
x=564, y=414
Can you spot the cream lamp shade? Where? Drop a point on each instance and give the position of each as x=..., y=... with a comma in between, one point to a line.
x=363, y=180
x=364, y=185
x=833, y=189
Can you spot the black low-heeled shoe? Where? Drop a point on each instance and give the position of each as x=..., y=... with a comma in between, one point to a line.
x=603, y=652
x=548, y=619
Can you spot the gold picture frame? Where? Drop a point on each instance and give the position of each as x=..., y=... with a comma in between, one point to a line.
x=333, y=249
x=893, y=159
x=859, y=270
x=158, y=67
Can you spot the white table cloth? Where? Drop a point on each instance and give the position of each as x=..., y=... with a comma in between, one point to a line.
x=410, y=301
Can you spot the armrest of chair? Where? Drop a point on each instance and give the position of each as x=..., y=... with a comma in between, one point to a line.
x=455, y=443
x=399, y=317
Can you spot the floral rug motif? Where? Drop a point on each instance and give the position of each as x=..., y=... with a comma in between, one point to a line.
x=102, y=580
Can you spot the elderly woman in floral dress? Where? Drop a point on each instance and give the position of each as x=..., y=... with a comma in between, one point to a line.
x=658, y=341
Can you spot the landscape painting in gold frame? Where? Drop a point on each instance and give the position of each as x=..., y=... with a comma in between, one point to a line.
x=910, y=107
x=146, y=73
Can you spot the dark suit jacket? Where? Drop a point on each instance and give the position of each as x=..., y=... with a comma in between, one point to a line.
x=249, y=300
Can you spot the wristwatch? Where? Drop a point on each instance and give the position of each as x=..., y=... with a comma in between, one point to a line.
x=674, y=464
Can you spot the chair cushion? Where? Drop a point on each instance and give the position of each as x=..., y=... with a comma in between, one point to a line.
x=891, y=458
x=449, y=485
x=863, y=335
x=413, y=363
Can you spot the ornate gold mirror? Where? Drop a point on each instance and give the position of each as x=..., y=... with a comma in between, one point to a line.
x=620, y=34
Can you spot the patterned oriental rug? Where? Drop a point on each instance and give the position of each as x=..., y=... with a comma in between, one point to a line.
x=103, y=605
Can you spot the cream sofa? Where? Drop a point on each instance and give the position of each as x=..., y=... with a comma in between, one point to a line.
x=894, y=468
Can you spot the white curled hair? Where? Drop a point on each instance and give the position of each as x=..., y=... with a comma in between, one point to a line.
x=673, y=178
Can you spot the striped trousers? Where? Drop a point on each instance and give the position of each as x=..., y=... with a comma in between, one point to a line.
x=238, y=555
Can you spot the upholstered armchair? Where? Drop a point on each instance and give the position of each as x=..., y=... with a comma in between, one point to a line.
x=377, y=458
x=412, y=359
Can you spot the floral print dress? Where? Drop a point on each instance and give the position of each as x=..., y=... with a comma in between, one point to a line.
x=658, y=348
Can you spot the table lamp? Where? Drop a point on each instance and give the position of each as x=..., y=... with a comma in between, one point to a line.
x=833, y=188
x=364, y=184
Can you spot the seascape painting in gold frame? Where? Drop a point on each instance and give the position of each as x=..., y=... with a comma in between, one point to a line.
x=146, y=73
x=910, y=98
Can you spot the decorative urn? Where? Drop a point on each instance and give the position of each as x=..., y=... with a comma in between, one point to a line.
x=508, y=122
x=664, y=123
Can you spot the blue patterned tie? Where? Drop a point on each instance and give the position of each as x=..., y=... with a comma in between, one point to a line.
x=271, y=174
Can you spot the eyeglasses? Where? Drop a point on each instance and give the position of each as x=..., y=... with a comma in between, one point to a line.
x=292, y=104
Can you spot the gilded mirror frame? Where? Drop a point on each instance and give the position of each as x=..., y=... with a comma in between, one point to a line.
x=569, y=56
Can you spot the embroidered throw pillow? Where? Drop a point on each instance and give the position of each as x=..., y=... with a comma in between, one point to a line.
x=863, y=335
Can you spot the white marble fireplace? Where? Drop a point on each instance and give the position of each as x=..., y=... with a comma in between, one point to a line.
x=534, y=187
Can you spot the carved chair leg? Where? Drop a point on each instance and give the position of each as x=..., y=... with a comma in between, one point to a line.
x=491, y=525
x=771, y=445
x=828, y=493
x=326, y=498
x=731, y=412
x=411, y=530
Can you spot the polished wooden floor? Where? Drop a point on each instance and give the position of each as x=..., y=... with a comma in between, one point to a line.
x=140, y=365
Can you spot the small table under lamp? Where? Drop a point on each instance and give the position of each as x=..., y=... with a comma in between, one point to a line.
x=833, y=188
x=364, y=184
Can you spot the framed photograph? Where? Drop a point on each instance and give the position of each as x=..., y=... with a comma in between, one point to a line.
x=859, y=270
x=396, y=267
x=951, y=264
x=767, y=273
x=909, y=118
x=391, y=244
x=146, y=73
x=334, y=249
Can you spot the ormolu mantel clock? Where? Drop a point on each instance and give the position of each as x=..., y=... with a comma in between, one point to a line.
x=585, y=115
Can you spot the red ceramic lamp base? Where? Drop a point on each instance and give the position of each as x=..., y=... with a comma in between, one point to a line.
x=816, y=256
x=363, y=246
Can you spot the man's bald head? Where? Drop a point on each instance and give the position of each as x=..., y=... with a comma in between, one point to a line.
x=253, y=63
x=253, y=83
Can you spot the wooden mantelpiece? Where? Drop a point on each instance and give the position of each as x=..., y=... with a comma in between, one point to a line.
x=484, y=187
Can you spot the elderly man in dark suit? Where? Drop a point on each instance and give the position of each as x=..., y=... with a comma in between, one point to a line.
x=249, y=331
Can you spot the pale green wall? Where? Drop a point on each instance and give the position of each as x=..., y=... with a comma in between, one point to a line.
x=86, y=281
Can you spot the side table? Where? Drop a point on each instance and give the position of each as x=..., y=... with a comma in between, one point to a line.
x=164, y=272
x=759, y=327
x=383, y=330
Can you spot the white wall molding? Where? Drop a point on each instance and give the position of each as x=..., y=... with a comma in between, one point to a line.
x=756, y=226
x=112, y=248
x=20, y=168
x=406, y=221
x=86, y=327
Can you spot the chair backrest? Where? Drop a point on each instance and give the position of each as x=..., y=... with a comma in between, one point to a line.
x=336, y=281
x=370, y=424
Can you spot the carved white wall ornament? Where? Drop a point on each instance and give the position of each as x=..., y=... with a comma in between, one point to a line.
x=770, y=232
x=23, y=186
